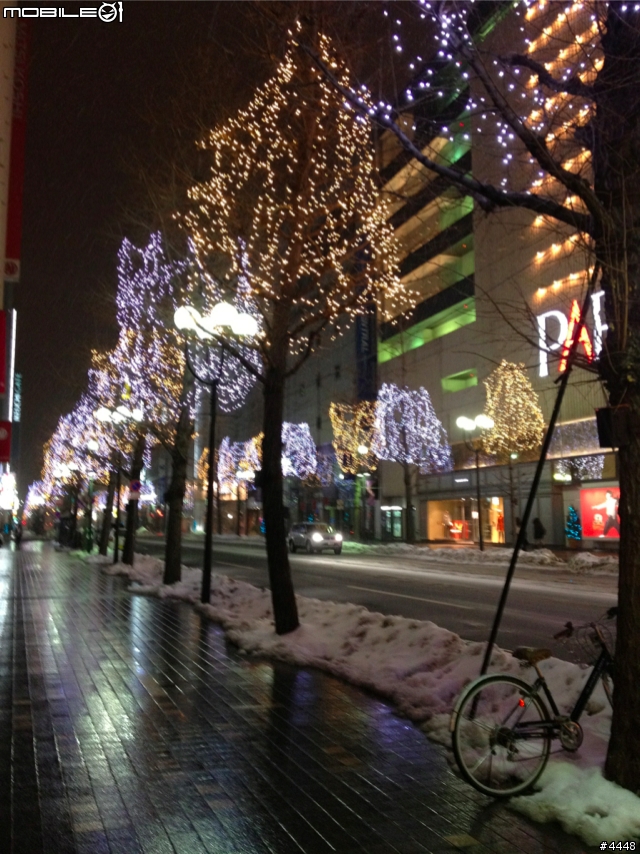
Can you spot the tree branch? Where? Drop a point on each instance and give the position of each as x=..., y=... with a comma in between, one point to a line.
x=574, y=86
x=488, y=195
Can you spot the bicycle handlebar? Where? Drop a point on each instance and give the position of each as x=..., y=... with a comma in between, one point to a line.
x=569, y=628
x=566, y=632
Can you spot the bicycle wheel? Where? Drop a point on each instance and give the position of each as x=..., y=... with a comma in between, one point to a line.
x=500, y=740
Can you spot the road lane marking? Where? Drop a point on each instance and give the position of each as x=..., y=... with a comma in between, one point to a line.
x=416, y=598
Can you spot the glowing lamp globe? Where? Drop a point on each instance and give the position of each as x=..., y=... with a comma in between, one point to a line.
x=186, y=318
x=245, y=325
x=484, y=422
x=222, y=314
x=465, y=423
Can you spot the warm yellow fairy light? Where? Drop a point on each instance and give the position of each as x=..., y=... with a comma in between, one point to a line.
x=512, y=403
x=353, y=428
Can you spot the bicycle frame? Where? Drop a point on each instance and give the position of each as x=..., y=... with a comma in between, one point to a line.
x=604, y=664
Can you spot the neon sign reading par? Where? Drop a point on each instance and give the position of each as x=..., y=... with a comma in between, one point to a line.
x=556, y=331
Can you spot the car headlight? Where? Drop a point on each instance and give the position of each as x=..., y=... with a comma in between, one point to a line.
x=317, y=538
x=338, y=538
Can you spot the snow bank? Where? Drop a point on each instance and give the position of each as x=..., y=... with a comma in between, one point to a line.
x=585, y=561
x=584, y=803
x=421, y=668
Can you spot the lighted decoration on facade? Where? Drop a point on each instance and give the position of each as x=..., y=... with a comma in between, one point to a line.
x=576, y=448
x=408, y=431
x=556, y=332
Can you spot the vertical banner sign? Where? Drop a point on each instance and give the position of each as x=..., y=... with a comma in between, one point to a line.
x=5, y=441
x=366, y=354
x=3, y=352
x=16, y=163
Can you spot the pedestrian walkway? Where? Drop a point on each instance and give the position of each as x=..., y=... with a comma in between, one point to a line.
x=129, y=725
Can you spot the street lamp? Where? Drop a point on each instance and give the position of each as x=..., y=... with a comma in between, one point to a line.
x=118, y=417
x=223, y=320
x=93, y=447
x=468, y=425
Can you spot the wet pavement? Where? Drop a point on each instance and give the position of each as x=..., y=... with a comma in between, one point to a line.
x=129, y=725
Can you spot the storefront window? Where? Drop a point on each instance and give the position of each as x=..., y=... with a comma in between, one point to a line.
x=457, y=520
x=391, y=523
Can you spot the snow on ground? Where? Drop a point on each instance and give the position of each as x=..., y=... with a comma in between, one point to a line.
x=421, y=668
x=582, y=563
x=585, y=561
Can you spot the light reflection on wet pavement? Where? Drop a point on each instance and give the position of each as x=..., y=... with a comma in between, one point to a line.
x=130, y=725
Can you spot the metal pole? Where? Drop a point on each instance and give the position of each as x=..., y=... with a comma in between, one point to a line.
x=116, y=543
x=477, y=450
x=90, y=525
x=208, y=530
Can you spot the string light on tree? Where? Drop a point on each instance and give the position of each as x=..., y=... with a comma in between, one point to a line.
x=353, y=431
x=407, y=430
x=512, y=404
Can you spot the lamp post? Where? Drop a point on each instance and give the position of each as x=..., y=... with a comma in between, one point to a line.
x=468, y=425
x=92, y=447
x=223, y=320
x=118, y=417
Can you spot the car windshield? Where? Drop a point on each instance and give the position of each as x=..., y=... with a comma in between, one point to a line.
x=321, y=529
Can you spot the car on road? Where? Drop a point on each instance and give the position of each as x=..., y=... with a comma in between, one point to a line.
x=314, y=537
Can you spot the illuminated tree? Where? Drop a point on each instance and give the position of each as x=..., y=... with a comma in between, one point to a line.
x=513, y=406
x=292, y=205
x=519, y=425
x=149, y=362
x=561, y=109
x=408, y=431
x=353, y=427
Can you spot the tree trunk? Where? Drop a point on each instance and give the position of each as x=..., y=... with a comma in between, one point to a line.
x=623, y=757
x=174, y=496
x=615, y=133
x=285, y=610
x=132, y=507
x=175, y=501
x=410, y=524
x=107, y=517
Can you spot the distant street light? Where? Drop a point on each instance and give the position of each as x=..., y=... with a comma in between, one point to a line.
x=468, y=425
x=224, y=320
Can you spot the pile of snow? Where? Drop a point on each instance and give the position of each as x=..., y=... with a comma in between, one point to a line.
x=456, y=554
x=585, y=562
x=421, y=668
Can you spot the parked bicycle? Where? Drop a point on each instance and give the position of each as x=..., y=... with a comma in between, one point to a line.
x=501, y=727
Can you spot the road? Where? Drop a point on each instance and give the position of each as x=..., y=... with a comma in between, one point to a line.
x=463, y=600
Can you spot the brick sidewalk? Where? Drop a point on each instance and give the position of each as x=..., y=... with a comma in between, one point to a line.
x=129, y=725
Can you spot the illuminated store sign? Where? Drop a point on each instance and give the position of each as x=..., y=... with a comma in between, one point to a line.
x=556, y=331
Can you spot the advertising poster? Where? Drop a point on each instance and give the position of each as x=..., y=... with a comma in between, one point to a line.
x=599, y=511
x=5, y=441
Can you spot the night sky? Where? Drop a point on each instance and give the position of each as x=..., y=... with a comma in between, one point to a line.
x=104, y=101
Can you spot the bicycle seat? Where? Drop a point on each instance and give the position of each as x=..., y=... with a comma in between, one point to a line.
x=531, y=654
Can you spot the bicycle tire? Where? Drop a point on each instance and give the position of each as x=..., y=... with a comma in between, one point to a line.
x=482, y=729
